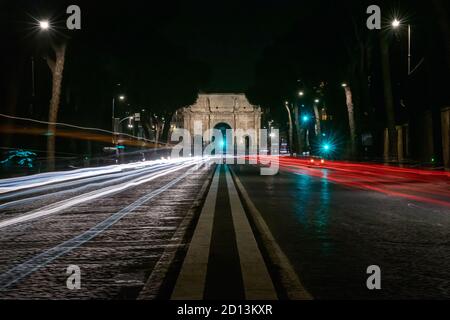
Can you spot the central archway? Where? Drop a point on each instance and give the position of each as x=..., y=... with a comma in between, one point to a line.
x=223, y=127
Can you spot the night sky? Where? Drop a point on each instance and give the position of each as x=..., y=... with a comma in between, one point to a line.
x=164, y=53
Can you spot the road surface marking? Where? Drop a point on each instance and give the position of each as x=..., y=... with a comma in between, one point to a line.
x=65, y=204
x=155, y=281
x=289, y=278
x=190, y=284
x=41, y=260
x=257, y=282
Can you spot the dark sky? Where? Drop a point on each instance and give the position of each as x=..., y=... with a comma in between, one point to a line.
x=145, y=43
x=230, y=36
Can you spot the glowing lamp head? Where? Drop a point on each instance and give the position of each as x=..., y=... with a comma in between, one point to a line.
x=326, y=147
x=305, y=118
x=121, y=98
x=44, y=24
x=396, y=23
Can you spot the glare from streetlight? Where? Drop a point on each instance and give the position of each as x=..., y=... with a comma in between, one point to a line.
x=317, y=101
x=44, y=24
x=301, y=93
x=122, y=98
x=344, y=85
x=396, y=23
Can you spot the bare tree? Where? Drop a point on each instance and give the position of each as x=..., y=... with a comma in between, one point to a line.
x=57, y=68
x=317, y=129
x=351, y=119
x=291, y=135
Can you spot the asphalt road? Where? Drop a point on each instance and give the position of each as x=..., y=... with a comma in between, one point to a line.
x=131, y=230
x=334, y=220
x=114, y=223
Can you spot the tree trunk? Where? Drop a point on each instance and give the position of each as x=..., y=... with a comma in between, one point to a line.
x=157, y=131
x=57, y=68
x=298, y=129
x=290, y=128
x=318, y=129
x=351, y=120
x=388, y=97
x=166, y=127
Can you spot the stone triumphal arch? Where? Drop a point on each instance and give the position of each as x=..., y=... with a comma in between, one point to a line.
x=219, y=110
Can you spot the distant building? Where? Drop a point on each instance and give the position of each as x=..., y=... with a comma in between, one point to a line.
x=220, y=111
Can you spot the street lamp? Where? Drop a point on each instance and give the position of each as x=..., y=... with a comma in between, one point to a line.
x=114, y=138
x=44, y=25
x=301, y=93
x=126, y=118
x=317, y=101
x=396, y=24
x=344, y=85
x=121, y=98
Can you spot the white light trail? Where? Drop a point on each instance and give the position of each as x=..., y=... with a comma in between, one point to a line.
x=59, y=206
x=22, y=270
x=15, y=184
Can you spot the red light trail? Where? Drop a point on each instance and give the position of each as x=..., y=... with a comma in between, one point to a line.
x=414, y=184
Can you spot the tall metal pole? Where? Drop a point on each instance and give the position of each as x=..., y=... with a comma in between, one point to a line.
x=33, y=87
x=113, y=106
x=409, y=49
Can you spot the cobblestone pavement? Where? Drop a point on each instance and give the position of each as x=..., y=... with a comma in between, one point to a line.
x=115, y=239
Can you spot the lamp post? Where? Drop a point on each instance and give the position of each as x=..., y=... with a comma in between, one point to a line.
x=397, y=24
x=121, y=98
x=114, y=135
x=44, y=25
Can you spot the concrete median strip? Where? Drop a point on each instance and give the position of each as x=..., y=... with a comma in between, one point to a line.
x=190, y=284
x=192, y=280
x=288, y=277
x=257, y=282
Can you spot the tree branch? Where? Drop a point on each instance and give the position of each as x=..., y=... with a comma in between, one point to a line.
x=50, y=63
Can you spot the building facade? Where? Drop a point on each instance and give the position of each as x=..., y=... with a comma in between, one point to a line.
x=219, y=111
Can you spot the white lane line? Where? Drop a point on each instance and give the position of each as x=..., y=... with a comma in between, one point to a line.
x=20, y=271
x=257, y=282
x=289, y=278
x=190, y=284
x=59, y=206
